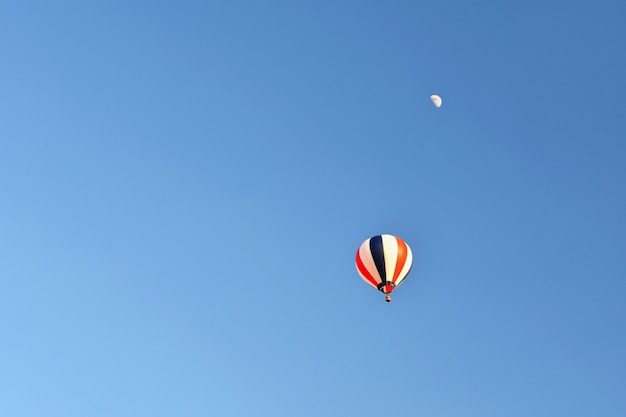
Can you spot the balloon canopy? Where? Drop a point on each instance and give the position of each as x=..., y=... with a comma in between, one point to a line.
x=383, y=262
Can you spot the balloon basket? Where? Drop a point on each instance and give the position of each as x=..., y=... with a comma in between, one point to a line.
x=387, y=298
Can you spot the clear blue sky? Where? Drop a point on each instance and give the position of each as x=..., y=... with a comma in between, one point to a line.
x=184, y=186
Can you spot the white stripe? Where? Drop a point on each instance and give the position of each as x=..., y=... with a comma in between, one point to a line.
x=407, y=265
x=390, y=249
x=368, y=260
x=367, y=281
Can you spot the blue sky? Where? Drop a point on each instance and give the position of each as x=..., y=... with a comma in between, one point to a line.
x=184, y=187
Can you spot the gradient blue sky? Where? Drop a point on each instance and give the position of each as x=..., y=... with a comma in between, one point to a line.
x=184, y=186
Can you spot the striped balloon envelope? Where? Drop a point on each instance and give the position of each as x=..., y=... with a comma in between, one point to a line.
x=383, y=262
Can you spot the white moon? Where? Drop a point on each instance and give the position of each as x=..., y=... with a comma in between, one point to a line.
x=436, y=100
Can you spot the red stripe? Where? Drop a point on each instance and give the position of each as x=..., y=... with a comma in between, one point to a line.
x=402, y=254
x=364, y=271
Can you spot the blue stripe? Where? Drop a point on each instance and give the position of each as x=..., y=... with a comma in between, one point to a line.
x=378, y=254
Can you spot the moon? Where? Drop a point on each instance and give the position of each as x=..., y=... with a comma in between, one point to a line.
x=436, y=100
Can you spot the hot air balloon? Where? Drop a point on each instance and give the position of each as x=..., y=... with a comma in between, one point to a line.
x=383, y=262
